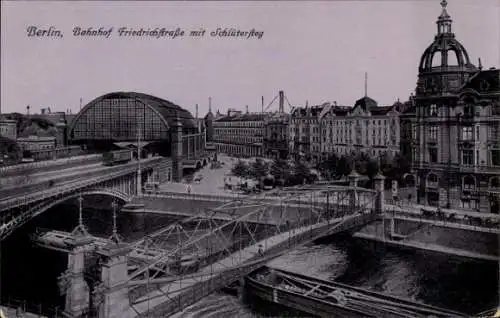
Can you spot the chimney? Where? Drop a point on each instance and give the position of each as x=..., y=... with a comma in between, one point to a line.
x=196, y=111
x=246, y=108
x=262, y=104
x=210, y=105
x=282, y=102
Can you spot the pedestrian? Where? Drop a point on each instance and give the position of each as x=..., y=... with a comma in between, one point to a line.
x=260, y=251
x=189, y=189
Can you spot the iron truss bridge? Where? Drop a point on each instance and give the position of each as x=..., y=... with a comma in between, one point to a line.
x=205, y=252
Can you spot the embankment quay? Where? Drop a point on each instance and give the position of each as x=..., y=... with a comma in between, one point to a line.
x=407, y=228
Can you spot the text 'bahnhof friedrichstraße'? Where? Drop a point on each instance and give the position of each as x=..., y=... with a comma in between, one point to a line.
x=168, y=33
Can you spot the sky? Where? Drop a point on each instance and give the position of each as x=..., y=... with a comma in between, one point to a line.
x=315, y=51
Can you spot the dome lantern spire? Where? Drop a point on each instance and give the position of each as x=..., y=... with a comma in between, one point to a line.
x=444, y=20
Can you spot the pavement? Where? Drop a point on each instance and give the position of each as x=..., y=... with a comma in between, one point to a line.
x=212, y=182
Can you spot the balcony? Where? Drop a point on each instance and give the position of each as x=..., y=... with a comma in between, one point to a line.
x=470, y=193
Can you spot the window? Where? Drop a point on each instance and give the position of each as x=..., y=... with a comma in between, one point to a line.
x=495, y=157
x=469, y=183
x=433, y=155
x=414, y=131
x=477, y=132
x=470, y=204
x=433, y=110
x=467, y=133
x=468, y=157
x=433, y=132
x=468, y=110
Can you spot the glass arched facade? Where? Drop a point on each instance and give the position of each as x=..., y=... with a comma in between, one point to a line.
x=119, y=119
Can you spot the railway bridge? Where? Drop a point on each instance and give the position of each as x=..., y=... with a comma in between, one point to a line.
x=22, y=203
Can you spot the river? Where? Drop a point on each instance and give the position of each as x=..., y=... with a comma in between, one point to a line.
x=29, y=272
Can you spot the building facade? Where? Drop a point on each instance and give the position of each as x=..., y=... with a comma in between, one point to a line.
x=8, y=128
x=239, y=134
x=305, y=131
x=37, y=143
x=276, y=135
x=317, y=131
x=456, y=126
x=366, y=128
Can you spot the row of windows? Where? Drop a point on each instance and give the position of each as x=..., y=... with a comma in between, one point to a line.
x=218, y=131
x=468, y=157
x=467, y=132
x=468, y=110
x=236, y=124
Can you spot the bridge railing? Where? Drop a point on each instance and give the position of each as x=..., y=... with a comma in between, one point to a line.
x=443, y=221
x=47, y=163
x=23, y=306
x=269, y=198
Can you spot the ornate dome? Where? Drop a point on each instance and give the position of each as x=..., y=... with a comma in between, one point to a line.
x=445, y=53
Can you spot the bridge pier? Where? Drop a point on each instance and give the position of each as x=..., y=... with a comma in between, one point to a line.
x=177, y=150
x=112, y=294
x=72, y=281
x=353, y=196
x=379, y=199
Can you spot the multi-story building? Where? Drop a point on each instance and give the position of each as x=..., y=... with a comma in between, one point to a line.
x=366, y=127
x=276, y=135
x=276, y=131
x=8, y=128
x=457, y=148
x=408, y=140
x=240, y=134
x=304, y=131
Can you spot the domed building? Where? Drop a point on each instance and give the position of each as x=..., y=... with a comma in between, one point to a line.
x=456, y=134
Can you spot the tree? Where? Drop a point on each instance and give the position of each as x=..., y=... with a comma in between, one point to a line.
x=259, y=169
x=371, y=169
x=343, y=166
x=301, y=171
x=240, y=169
x=280, y=169
x=328, y=166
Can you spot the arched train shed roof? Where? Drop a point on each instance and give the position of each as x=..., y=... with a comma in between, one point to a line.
x=168, y=110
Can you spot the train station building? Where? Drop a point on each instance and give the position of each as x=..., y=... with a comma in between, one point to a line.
x=121, y=120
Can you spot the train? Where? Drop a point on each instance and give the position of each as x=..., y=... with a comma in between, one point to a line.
x=112, y=158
